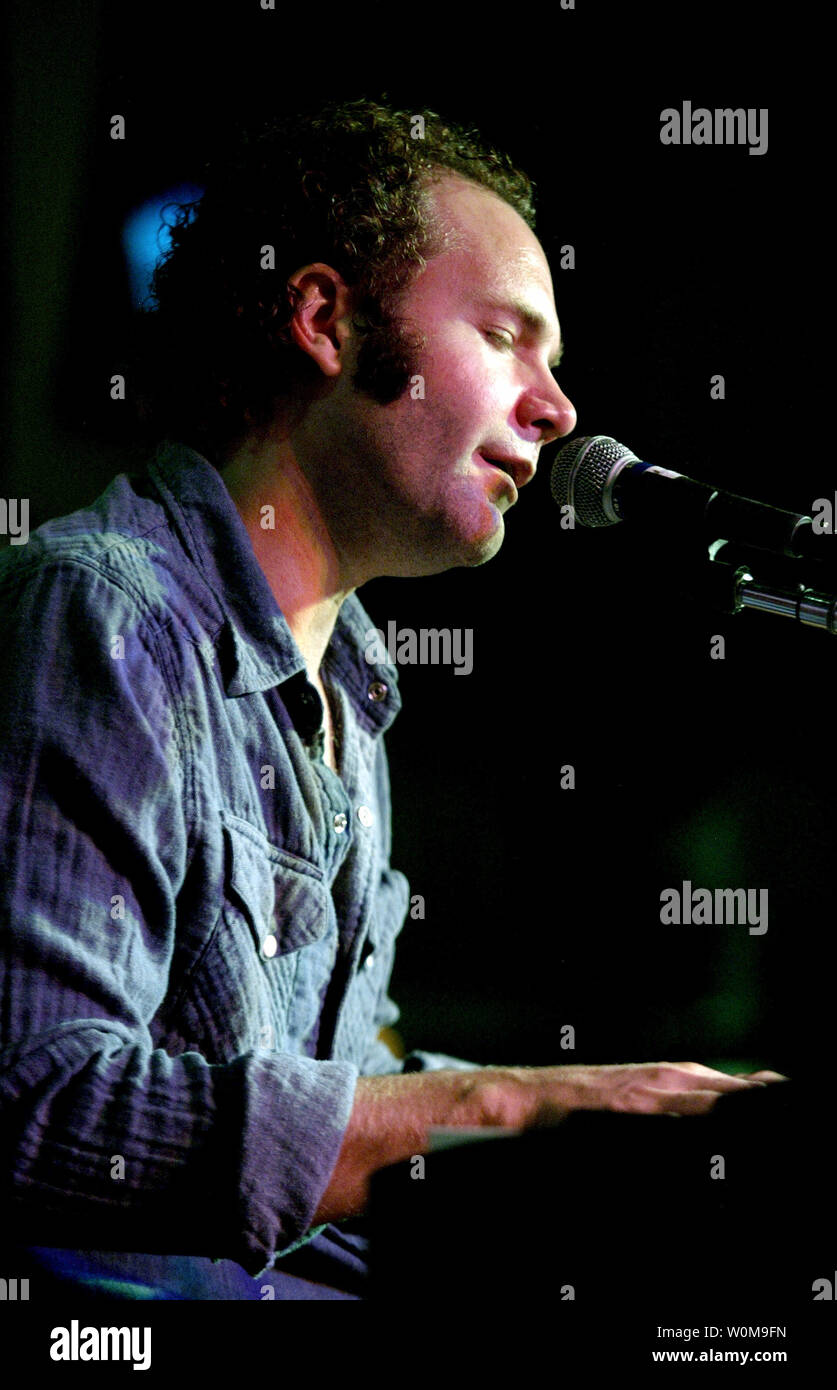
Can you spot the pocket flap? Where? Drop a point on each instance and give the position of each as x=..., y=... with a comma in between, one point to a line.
x=280, y=893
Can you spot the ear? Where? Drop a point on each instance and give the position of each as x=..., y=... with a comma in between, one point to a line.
x=320, y=322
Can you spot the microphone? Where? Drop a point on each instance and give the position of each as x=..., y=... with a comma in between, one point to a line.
x=605, y=483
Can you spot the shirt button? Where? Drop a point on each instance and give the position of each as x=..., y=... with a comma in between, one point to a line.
x=378, y=691
x=370, y=961
x=364, y=815
x=269, y=945
x=340, y=822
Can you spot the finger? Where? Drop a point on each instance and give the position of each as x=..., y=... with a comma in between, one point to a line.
x=685, y=1102
x=765, y=1076
x=708, y=1079
x=700, y=1072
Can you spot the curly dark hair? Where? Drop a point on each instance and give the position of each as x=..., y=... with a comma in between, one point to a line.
x=345, y=187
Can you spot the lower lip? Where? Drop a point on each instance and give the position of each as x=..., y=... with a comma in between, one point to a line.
x=507, y=478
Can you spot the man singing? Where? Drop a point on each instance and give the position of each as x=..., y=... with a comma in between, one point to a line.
x=351, y=362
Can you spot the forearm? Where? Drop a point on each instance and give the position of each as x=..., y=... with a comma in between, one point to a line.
x=391, y=1118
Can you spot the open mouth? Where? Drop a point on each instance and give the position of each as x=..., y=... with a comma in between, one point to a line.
x=502, y=467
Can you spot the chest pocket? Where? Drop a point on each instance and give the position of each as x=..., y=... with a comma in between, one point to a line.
x=280, y=895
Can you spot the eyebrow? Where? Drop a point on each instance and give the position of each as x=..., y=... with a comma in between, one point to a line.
x=534, y=322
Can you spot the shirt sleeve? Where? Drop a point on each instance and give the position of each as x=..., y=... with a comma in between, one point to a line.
x=107, y=1141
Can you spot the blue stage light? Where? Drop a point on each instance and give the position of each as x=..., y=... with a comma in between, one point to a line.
x=146, y=236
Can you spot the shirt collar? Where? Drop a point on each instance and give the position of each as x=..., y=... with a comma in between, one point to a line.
x=259, y=651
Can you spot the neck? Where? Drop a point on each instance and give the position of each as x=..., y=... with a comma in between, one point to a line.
x=291, y=543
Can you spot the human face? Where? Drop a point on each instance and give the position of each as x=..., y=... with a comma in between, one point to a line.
x=484, y=313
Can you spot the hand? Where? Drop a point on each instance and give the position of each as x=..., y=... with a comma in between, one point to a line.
x=543, y=1095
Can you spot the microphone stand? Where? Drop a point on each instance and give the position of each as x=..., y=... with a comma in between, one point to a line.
x=733, y=587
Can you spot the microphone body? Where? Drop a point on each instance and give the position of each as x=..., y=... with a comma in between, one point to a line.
x=605, y=483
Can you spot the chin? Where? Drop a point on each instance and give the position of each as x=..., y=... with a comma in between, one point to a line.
x=486, y=547
x=451, y=546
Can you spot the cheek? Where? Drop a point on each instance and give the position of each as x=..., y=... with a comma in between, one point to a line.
x=469, y=386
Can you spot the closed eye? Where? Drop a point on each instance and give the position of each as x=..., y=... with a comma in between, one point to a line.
x=501, y=336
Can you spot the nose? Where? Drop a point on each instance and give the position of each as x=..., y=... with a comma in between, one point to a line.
x=545, y=408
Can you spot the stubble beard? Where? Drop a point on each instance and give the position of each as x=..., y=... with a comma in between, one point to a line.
x=388, y=361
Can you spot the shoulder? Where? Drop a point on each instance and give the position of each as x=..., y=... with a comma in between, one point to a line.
x=112, y=564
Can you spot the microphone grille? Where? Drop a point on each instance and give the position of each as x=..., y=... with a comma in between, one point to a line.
x=580, y=476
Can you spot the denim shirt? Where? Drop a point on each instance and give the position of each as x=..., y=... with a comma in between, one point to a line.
x=198, y=916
